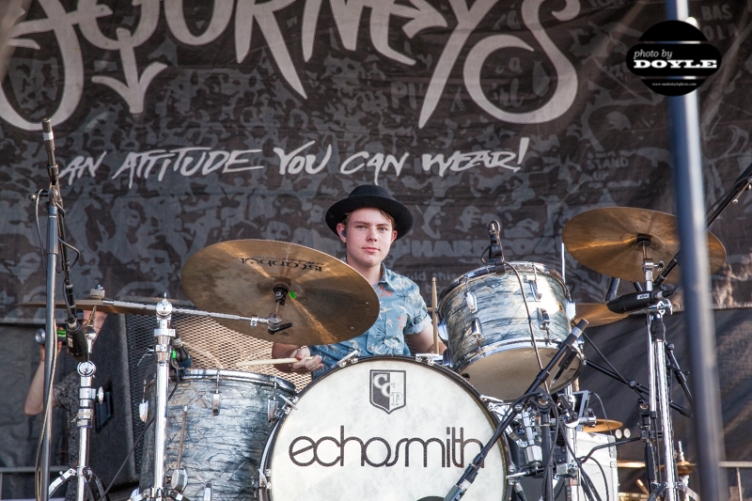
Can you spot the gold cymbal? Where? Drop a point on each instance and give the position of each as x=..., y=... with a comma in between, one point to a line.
x=628, y=463
x=682, y=467
x=603, y=425
x=611, y=241
x=596, y=314
x=685, y=467
x=328, y=302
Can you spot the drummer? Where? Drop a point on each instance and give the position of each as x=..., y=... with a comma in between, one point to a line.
x=368, y=221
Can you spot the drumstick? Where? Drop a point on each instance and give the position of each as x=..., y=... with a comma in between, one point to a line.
x=434, y=300
x=271, y=361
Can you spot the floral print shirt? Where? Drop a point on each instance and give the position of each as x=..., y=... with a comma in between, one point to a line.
x=402, y=313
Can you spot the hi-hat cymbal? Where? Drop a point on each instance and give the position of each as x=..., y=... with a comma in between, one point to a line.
x=682, y=467
x=328, y=302
x=596, y=314
x=611, y=241
x=628, y=463
x=603, y=425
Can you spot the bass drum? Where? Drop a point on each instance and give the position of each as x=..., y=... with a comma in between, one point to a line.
x=383, y=428
x=490, y=320
x=224, y=419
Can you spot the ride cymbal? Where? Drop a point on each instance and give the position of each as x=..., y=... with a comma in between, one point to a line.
x=596, y=314
x=328, y=301
x=612, y=241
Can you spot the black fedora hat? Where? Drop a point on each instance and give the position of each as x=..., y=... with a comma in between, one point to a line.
x=370, y=196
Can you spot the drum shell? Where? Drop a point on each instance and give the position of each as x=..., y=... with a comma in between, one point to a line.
x=223, y=449
x=323, y=424
x=502, y=362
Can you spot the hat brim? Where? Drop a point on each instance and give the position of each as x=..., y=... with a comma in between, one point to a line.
x=403, y=218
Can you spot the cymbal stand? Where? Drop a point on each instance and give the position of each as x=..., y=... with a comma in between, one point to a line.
x=163, y=350
x=658, y=398
x=83, y=471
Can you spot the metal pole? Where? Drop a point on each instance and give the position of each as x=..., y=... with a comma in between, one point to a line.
x=50, y=344
x=690, y=207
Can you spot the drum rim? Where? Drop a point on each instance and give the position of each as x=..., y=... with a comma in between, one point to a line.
x=488, y=270
x=486, y=352
x=229, y=375
x=494, y=420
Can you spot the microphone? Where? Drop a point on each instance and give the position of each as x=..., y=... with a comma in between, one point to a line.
x=49, y=146
x=612, y=289
x=76, y=341
x=182, y=357
x=495, y=252
x=637, y=300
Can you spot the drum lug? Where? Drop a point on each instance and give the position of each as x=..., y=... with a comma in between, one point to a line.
x=351, y=357
x=476, y=332
x=143, y=410
x=207, y=492
x=472, y=301
x=216, y=398
x=216, y=403
x=545, y=319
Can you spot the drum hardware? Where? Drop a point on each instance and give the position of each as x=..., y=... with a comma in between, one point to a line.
x=315, y=288
x=468, y=477
x=179, y=477
x=216, y=398
x=430, y=358
x=350, y=358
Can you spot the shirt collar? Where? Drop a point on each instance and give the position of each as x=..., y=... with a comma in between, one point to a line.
x=387, y=276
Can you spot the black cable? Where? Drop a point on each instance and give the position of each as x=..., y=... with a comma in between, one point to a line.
x=608, y=362
x=603, y=409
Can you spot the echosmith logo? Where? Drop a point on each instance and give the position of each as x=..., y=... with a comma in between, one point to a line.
x=673, y=58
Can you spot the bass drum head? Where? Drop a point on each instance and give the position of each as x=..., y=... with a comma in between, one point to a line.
x=384, y=428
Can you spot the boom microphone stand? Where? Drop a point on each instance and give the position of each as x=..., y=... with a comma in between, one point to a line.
x=566, y=349
x=54, y=201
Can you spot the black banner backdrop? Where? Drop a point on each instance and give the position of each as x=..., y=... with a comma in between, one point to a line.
x=181, y=123
x=184, y=123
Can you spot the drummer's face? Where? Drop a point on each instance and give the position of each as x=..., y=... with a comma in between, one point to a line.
x=368, y=238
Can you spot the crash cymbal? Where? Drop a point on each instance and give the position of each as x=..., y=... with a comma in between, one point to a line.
x=328, y=302
x=611, y=241
x=596, y=314
x=603, y=425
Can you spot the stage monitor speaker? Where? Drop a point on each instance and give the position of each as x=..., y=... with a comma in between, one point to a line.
x=124, y=359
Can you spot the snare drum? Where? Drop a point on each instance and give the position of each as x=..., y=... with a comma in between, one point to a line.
x=227, y=417
x=485, y=317
x=383, y=428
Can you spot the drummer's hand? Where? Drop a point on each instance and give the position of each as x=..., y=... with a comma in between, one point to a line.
x=306, y=363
